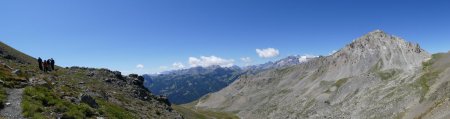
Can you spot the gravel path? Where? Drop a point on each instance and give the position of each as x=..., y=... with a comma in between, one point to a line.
x=12, y=109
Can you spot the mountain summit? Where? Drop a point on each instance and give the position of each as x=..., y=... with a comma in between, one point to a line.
x=379, y=40
x=376, y=76
x=376, y=49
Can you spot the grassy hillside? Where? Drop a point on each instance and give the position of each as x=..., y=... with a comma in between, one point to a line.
x=77, y=92
x=12, y=60
x=11, y=53
x=189, y=112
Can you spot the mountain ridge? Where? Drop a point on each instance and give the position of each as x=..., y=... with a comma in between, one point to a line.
x=376, y=76
x=186, y=85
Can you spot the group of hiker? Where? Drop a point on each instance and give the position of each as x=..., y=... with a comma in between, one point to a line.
x=46, y=65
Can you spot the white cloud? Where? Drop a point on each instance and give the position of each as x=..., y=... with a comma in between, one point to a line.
x=140, y=66
x=246, y=60
x=205, y=61
x=178, y=65
x=267, y=53
x=306, y=57
x=332, y=52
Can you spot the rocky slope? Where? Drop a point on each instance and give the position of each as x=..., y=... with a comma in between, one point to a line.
x=376, y=76
x=74, y=92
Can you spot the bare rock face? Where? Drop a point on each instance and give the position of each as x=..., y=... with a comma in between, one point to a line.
x=376, y=76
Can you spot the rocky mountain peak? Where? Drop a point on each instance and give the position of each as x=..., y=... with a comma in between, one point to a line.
x=377, y=31
x=377, y=50
x=379, y=40
x=375, y=39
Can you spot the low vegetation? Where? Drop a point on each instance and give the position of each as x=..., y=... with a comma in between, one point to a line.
x=384, y=74
x=189, y=112
x=114, y=111
x=432, y=69
x=76, y=92
x=388, y=74
x=40, y=100
x=3, y=96
x=341, y=82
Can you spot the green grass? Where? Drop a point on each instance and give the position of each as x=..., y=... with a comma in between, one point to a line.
x=427, y=65
x=388, y=74
x=284, y=71
x=3, y=96
x=432, y=68
x=8, y=78
x=341, y=82
x=385, y=74
x=114, y=111
x=188, y=112
x=425, y=82
x=39, y=100
x=47, y=100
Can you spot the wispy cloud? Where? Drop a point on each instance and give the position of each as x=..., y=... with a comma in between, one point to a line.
x=306, y=57
x=332, y=52
x=205, y=61
x=177, y=65
x=246, y=60
x=140, y=66
x=267, y=53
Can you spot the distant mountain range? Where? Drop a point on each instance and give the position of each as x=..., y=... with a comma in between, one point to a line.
x=186, y=85
x=183, y=86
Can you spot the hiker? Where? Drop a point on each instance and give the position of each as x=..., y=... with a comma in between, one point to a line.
x=48, y=65
x=52, y=63
x=40, y=64
x=45, y=65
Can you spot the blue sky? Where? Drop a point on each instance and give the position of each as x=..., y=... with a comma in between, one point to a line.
x=120, y=34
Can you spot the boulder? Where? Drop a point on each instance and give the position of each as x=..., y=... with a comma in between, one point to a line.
x=118, y=74
x=133, y=75
x=16, y=72
x=164, y=100
x=141, y=94
x=89, y=101
x=90, y=74
x=140, y=78
x=138, y=82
